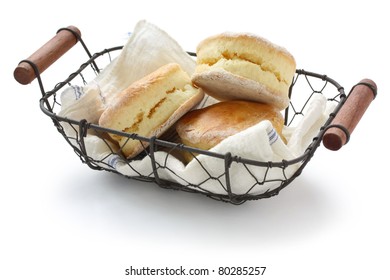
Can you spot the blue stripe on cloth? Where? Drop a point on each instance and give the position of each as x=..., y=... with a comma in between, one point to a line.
x=78, y=92
x=272, y=136
x=113, y=161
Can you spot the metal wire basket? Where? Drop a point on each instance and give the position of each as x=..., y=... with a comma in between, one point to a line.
x=334, y=133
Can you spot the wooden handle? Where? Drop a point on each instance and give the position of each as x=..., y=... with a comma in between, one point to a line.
x=337, y=135
x=46, y=55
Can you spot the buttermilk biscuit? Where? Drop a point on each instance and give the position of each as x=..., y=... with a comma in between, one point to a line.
x=244, y=66
x=150, y=106
x=204, y=128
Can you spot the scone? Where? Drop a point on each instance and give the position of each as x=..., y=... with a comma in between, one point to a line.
x=244, y=66
x=204, y=128
x=149, y=106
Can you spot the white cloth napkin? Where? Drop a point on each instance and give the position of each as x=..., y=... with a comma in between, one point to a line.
x=149, y=48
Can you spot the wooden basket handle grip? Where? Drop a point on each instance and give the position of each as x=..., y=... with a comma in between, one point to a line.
x=46, y=55
x=338, y=132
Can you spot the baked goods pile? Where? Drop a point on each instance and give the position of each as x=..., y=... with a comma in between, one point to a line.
x=143, y=91
x=247, y=76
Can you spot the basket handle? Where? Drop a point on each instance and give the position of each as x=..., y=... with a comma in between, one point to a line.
x=46, y=55
x=338, y=132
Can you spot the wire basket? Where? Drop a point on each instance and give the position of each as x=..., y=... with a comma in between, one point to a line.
x=307, y=83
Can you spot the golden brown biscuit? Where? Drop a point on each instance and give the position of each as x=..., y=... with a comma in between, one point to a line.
x=205, y=128
x=244, y=66
x=150, y=106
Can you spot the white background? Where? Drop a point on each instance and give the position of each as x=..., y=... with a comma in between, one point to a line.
x=61, y=220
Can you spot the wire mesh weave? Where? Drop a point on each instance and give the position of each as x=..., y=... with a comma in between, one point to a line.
x=307, y=83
